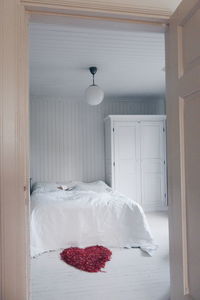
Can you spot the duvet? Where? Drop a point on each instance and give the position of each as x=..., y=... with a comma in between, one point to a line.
x=62, y=219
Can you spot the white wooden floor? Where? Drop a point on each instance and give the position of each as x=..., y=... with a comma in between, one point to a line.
x=130, y=275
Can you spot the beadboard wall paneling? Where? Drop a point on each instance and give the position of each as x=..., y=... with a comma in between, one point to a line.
x=67, y=138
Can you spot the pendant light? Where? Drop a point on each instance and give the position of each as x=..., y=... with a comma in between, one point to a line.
x=94, y=94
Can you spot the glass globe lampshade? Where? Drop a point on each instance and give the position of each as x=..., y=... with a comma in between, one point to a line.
x=94, y=95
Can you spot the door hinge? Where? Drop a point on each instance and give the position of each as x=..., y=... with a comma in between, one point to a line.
x=113, y=129
x=113, y=164
x=164, y=162
x=163, y=129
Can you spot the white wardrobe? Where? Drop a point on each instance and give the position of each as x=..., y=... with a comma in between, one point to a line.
x=135, y=147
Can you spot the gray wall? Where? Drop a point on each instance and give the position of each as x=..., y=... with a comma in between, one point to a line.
x=67, y=137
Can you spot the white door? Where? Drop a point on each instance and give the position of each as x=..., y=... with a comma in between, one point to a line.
x=153, y=162
x=127, y=159
x=183, y=111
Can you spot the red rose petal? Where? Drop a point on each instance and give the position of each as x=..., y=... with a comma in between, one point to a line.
x=90, y=259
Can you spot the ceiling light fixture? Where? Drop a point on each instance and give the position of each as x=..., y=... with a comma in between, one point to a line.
x=94, y=94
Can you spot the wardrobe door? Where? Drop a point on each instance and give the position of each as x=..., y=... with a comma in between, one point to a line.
x=153, y=191
x=127, y=159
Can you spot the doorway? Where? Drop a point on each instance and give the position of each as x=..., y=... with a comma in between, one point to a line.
x=60, y=117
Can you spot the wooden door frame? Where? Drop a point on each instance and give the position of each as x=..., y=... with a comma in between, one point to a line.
x=14, y=116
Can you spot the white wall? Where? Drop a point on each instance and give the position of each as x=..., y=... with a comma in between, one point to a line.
x=67, y=137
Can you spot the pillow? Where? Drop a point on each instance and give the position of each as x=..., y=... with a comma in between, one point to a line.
x=96, y=186
x=43, y=187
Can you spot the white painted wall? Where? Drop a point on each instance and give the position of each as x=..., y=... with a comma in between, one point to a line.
x=67, y=137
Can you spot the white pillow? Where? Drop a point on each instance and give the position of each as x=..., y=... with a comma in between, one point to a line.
x=43, y=187
x=96, y=186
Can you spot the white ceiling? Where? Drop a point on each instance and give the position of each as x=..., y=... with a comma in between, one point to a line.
x=130, y=58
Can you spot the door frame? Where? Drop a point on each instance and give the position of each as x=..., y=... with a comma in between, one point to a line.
x=14, y=116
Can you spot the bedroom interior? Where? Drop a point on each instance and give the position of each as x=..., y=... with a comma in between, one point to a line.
x=183, y=147
x=115, y=150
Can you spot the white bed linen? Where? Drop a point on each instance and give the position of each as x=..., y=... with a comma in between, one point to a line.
x=62, y=219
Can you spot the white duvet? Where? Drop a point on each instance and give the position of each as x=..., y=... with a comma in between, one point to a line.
x=61, y=219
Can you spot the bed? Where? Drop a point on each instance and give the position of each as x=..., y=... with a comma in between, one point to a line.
x=85, y=215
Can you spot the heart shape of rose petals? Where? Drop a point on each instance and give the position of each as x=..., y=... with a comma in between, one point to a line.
x=90, y=259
